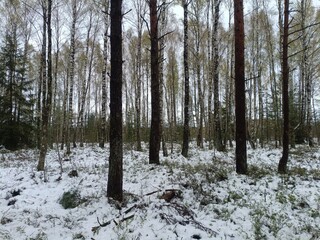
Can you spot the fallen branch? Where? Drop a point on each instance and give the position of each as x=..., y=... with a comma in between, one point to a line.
x=101, y=225
x=150, y=193
x=188, y=216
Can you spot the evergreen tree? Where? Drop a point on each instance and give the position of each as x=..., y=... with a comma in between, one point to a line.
x=16, y=129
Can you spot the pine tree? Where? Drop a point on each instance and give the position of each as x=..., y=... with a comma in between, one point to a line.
x=115, y=177
x=16, y=128
x=240, y=97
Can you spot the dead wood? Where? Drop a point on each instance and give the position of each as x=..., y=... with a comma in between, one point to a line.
x=97, y=228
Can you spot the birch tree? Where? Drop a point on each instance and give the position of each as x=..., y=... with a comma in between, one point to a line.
x=46, y=80
x=186, y=130
x=104, y=75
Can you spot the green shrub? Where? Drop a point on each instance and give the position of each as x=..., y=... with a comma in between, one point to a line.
x=71, y=199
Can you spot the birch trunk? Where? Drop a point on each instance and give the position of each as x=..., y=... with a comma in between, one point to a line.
x=186, y=130
x=71, y=75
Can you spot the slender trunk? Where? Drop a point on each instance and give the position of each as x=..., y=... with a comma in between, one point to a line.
x=186, y=130
x=282, y=167
x=115, y=176
x=43, y=77
x=200, y=99
x=240, y=98
x=71, y=75
x=155, y=132
x=104, y=92
x=83, y=91
x=140, y=8
x=56, y=117
x=161, y=79
x=47, y=94
x=217, y=123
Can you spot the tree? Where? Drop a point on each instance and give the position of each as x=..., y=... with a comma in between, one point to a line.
x=199, y=91
x=140, y=8
x=71, y=73
x=16, y=101
x=115, y=176
x=282, y=167
x=162, y=19
x=217, y=123
x=104, y=75
x=186, y=130
x=15, y=105
x=46, y=82
x=240, y=97
x=155, y=131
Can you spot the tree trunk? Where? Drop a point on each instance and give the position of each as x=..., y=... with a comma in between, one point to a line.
x=282, y=167
x=115, y=177
x=240, y=97
x=186, y=130
x=83, y=91
x=47, y=85
x=43, y=77
x=218, y=135
x=71, y=75
x=104, y=78
x=162, y=21
x=155, y=132
x=140, y=10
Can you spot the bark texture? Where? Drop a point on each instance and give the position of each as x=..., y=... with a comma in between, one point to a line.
x=186, y=130
x=155, y=132
x=282, y=167
x=115, y=177
x=47, y=83
x=240, y=97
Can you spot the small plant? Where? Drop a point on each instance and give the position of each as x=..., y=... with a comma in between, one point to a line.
x=221, y=175
x=257, y=172
x=281, y=198
x=40, y=236
x=78, y=236
x=300, y=171
x=71, y=199
x=257, y=218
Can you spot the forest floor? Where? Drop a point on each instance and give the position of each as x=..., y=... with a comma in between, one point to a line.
x=196, y=198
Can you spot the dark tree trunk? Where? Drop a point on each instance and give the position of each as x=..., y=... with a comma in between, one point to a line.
x=155, y=132
x=240, y=97
x=186, y=130
x=43, y=77
x=282, y=167
x=115, y=177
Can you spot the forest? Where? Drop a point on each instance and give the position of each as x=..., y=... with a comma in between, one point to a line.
x=192, y=109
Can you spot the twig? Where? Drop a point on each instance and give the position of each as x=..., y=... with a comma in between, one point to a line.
x=97, y=228
x=150, y=193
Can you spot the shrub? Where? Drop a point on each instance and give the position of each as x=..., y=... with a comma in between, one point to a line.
x=71, y=199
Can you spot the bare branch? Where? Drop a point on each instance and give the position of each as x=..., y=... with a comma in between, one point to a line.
x=296, y=53
x=146, y=22
x=164, y=35
x=301, y=29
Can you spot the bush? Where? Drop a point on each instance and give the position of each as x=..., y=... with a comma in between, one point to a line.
x=71, y=199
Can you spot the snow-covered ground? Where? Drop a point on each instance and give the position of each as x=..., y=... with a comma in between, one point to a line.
x=211, y=201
